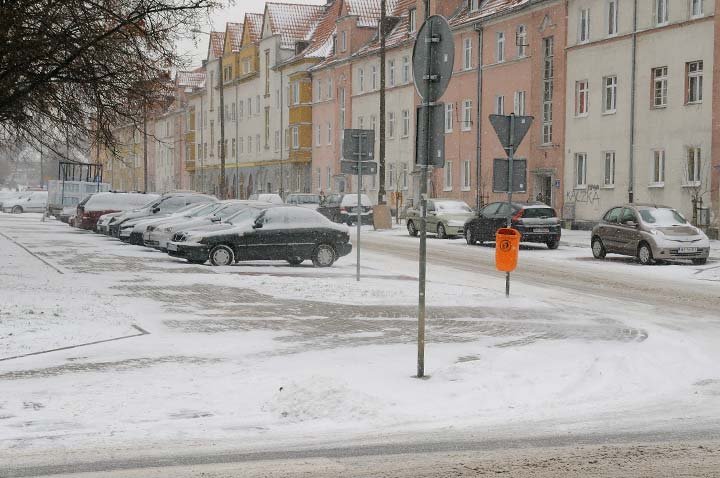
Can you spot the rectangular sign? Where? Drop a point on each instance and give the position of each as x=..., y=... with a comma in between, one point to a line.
x=351, y=167
x=358, y=142
x=500, y=175
x=434, y=155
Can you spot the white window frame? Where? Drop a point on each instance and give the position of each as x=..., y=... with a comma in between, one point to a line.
x=391, y=175
x=241, y=145
x=610, y=94
x=318, y=135
x=609, y=170
x=295, y=137
x=412, y=20
x=465, y=175
x=693, y=167
x=582, y=94
x=660, y=14
x=391, y=125
x=361, y=122
x=449, y=110
x=612, y=17
x=499, y=104
x=405, y=131
x=695, y=82
x=374, y=77
x=467, y=115
x=257, y=143
x=584, y=26
x=500, y=47
x=329, y=89
x=276, y=140
x=660, y=87
x=391, y=72
x=403, y=176
x=697, y=8
x=361, y=80
x=318, y=90
x=658, y=168
x=329, y=132
x=521, y=36
x=406, y=70
x=580, y=170
x=343, y=41
x=519, y=103
x=467, y=54
x=295, y=93
x=448, y=176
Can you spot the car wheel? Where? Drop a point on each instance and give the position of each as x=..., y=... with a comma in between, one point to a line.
x=295, y=261
x=598, y=249
x=470, y=237
x=441, y=234
x=412, y=230
x=553, y=244
x=700, y=262
x=644, y=254
x=324, y=256
x=198, y=262
x=222, y=255
x=17, y=210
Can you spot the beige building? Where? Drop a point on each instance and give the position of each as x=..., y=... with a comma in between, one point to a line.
x=639, y=105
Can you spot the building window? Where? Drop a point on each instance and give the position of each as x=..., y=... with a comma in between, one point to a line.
x=448, y=176
x=257, y=104
x=660, y=86
x=330, y=89
x=267, y=127
x=241, y=145
x=467, y=115
x=341, y=100
x=405, y=123
x=234, y=148
x=548, y=85
x=609, y=169
x=295, y=93
x=267, y=72
x=609, y=94
x=584, y=26
x=581, y=98
x=500, y=47
x=329, y=133
x=658, y=177
x=373, y=122
x=580, y=170
x=277, y=140
x=390, y=179
x=499, y=105
x=694, y=81
x=406, y=70
x=694, y=158
x=412, y=20
x=361, y=80
x=519, y=103
x=449, y=109
x=391, y=125
x=661, y=12
x=317, y=135
x=328, y=179
x=612, y=17
x=467, y=54
x=473, y=5
x=374, y=78
x=343, y=41
x=403, y=176
x=696, y=8
x=257, y=143
x=522, y=43
x=465, y=175
x=249, y=144
x=334, y=44
x=318, y=90
x=361, y=122
x=246, y=66
x=295, y=137
x=249, y=107
x=391, y=72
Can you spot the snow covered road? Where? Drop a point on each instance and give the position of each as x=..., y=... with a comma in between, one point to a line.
x=264, y=356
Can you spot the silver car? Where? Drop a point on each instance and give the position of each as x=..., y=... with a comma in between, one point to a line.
x=650, y=233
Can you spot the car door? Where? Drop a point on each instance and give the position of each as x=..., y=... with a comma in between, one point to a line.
x=628, y=233
x=432, y=219
x=608, y=230
x=500, y=219
x=304, y=231
x=270, y=242
x=484, y=225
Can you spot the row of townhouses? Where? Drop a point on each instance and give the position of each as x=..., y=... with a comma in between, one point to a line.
x=622, y=92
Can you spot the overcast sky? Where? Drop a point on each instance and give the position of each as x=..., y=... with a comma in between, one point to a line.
x=233, y=12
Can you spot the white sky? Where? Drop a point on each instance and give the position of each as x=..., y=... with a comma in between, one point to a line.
x=234, y=11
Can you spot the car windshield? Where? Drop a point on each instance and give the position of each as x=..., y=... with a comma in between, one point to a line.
x=452, y=207
x=539, y=213
x=229, y=211
x=662, y=217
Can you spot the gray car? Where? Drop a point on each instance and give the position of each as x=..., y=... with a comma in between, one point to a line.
x=650, y=233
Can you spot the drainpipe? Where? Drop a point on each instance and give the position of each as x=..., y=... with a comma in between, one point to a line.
x=631, y=178
x=478, y=120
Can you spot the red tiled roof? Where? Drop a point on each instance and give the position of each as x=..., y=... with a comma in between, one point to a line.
x=254, y=24
x=400, y=34
x=217, y=40
x=321, y=42
x=235, y=33
x=293, y=22
x=487, y=8
x=192, y=79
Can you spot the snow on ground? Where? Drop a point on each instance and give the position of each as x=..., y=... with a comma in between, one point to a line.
x=261, y=352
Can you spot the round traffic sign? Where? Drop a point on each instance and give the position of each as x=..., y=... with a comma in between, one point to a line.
x=433, y=58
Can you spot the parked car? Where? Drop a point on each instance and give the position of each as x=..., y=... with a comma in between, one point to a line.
x=166, y=204
x=310, y=201
x=288, y=233
x=342, y=208
x=158, y=234
x=132, y=231
x=650, y=233
x=35, y=201
x=267, y=197
x=103, y=224
x=90, y=209
x=11, y=195
x=67, y=213
x=445, y=217
x=536, y=221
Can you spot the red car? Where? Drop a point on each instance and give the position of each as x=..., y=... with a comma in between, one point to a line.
x=92, y=207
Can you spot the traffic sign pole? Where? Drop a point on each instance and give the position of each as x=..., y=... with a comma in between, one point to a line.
x=361, y=138
x=511, y=186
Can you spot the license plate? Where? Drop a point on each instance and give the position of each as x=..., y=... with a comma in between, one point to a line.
x=687, y=250
x=541, y=229
x=172, y=247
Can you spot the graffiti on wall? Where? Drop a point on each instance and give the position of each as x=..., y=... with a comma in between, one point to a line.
x=590, y=195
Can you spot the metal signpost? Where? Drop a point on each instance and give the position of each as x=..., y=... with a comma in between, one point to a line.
x=511, y=130
x=433, y=59
x=359, y=143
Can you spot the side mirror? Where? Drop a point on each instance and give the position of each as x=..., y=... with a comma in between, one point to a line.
x=258, y=225
x=631, y=224
x=215, y=219
x=155, y=210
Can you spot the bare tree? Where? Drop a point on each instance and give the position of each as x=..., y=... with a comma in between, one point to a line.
x=697, y=180
x=72, y=69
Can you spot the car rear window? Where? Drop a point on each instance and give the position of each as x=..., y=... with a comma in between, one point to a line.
x=539, y=213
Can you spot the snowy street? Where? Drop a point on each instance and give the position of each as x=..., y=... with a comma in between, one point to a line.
x=108, y=349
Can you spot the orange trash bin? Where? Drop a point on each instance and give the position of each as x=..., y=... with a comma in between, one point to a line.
x=507, y=246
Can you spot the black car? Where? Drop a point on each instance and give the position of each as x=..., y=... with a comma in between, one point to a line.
x=290, y=233
x=342, y=208
x=537, y=222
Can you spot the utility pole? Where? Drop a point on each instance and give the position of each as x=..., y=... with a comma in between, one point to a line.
x=222, y=123
x=383, y=12
x=145, y=152
x=281, y=189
